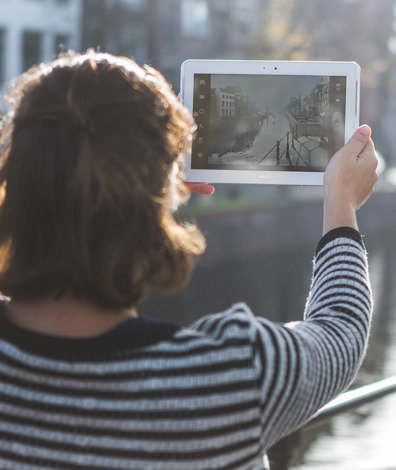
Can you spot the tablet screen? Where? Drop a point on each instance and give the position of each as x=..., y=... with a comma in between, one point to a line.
x=267, y=122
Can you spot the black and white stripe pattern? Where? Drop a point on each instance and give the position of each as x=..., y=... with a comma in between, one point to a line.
x=214, y=396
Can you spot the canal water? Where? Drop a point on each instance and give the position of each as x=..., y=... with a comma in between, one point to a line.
x=260, y=149
x=264, y=257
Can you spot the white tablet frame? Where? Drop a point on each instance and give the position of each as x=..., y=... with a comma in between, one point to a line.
x=350, y=70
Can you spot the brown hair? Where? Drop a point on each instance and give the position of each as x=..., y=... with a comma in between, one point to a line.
x=90, y=172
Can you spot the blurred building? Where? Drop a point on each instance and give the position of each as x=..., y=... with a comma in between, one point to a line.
x=199, y=29
x=166, y=32
x=120, y=27
x=389, y=93
x=34, y=30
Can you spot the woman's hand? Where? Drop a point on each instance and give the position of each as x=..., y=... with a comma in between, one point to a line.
x=349, y=180
x=201, y=188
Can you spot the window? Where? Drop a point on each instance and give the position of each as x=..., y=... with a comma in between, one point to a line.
x=31, y=49
x=195, y=18
x=61, y=43
x=128, y=40
x=171, y=23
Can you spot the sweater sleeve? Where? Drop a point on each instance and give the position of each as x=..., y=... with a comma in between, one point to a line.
x=321, y=355
x=300, y=366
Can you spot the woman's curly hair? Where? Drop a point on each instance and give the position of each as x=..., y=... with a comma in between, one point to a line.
x=91, y=154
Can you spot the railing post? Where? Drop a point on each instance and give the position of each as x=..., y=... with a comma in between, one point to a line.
x=288, y=147
x=277, y=152
x=282, y=453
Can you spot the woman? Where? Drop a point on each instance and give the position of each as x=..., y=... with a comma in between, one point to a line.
x=90, y=174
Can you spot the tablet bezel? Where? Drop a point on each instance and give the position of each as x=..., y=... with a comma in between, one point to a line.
x=350, y=70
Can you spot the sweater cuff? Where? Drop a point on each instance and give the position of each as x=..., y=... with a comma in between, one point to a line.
x=339, y=232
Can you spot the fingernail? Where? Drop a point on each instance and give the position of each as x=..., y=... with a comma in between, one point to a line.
x=365, y=130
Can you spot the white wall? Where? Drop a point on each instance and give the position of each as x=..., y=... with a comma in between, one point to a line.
x=49, y=17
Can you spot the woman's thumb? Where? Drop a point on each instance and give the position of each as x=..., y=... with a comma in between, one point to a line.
x=359, y=139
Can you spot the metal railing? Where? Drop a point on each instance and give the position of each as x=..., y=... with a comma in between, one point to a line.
x=277, y=148
x=282, y=453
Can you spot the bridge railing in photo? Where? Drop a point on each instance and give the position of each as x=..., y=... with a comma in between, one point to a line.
x=284, y=145
x=277, y=149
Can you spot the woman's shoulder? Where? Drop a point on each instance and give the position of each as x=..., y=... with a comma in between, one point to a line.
x=235, y=325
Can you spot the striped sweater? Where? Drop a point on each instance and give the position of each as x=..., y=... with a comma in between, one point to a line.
x=150, y=395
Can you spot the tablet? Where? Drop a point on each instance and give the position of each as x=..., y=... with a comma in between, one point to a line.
x=268, y=122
